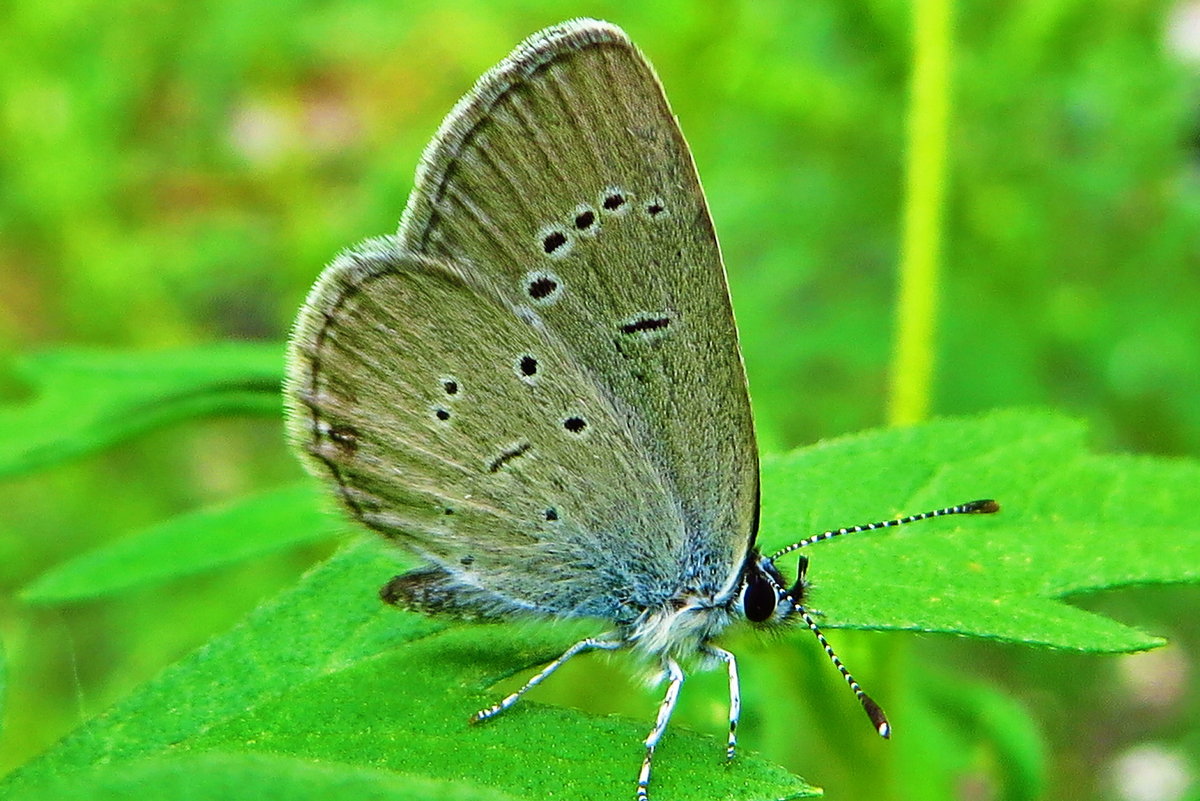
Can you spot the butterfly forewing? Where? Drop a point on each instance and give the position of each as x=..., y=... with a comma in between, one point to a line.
x=564, y=183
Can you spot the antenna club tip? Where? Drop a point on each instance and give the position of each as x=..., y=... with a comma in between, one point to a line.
x=878, y=719
x=984, y=507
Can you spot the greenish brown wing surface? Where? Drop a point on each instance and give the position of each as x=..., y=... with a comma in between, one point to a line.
x=449, y=423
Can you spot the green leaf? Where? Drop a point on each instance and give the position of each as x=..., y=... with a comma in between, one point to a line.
x=192, y=543
x=1070, y=522
x=86, y=400
x=216, y=776
x=328, y=673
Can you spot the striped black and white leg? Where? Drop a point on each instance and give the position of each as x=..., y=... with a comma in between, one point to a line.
x=735, y=695
x=590, y=644
x=874, y=712
x=675, y=677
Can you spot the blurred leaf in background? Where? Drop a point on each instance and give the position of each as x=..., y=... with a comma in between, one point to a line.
x=175, y=175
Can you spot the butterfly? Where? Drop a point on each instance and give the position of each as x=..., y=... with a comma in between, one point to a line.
x=535, y=385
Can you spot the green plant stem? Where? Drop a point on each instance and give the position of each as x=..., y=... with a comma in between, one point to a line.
x=917, y=302
x=916, y=307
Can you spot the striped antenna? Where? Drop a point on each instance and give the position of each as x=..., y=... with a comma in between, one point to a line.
x=874, y=712
x=984, y=507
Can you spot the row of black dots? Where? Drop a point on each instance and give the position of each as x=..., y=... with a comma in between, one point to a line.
x=557, y=240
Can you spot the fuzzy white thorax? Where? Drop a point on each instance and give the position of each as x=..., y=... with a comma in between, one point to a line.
x=678, y=630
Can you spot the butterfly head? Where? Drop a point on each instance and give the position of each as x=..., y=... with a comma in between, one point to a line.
x=765, y=598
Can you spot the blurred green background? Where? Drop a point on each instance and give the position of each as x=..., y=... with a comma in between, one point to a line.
x=178, y=173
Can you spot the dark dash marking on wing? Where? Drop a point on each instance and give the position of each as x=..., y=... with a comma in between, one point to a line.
x=645, y=324
x=507, y=456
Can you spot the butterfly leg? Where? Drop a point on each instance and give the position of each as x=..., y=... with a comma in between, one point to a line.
x=675, y=676
x=735, y=695
x=590, y=644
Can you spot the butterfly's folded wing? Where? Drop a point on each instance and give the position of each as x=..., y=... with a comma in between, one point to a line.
x=449, y=423
x=564, y=183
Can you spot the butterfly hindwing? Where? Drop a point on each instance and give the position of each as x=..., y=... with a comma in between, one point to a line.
x=455, y=426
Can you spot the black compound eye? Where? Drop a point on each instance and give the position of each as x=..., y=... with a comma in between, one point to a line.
x=759, y=598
